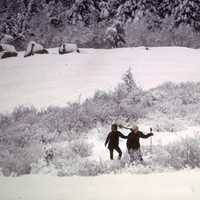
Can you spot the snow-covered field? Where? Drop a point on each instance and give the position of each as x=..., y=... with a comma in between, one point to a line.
x=54, y=79
x=44, y=80
x=184, y=185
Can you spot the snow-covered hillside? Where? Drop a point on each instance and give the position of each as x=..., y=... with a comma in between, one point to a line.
x=52, y=79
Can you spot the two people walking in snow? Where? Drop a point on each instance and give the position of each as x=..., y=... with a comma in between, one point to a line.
x=133, y=142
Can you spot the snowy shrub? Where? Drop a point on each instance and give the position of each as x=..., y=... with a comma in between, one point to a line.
x=161, y=156
x=164, y=123
x=76, y=148
x=194, y=117
x=185, y=153
x=68, y=48
x=69, y=158
x=80, y=148
x=5, y=121
x=173, y=106
x=89, y=168
x=18, y=160
x=25, y=114
x=34, y=48
x=86, y=167
x=68, y=162
x=178, y=155
x=7, y=50
x=75, y=166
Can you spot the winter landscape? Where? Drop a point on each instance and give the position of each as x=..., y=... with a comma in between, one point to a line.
x=71, y=69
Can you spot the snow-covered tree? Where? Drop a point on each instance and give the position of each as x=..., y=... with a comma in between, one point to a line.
x=50, y=17
x=128, y=79
x=187, y=12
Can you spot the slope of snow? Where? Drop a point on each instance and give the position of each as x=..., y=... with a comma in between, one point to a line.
x=54, y=79
x=182, y=185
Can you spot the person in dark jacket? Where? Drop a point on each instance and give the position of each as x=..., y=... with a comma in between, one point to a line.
x=113, y=141
x=133, y=143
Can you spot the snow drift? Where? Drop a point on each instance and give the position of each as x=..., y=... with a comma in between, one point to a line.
x=180, y=185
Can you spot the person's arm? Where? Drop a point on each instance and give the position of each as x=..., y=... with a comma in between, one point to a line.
x=142, y=135
x=123, y=136
x=107, y=139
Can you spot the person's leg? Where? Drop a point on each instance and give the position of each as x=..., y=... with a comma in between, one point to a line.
x=111, y=154
x=140, y=155
x=131, y=155
x=136, y=156
x=119, y=152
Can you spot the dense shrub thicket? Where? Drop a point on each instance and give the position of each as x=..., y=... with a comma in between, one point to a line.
x=25, y=131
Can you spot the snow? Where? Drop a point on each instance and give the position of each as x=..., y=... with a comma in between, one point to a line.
x=53, y=79
x=182, y=185
x=69, y=48
x=8, y=47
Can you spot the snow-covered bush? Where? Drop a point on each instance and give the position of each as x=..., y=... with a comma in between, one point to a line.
x=115, y=35
x=18, y=160
x=185, y=153
x=160, y=157
x=6, y=39
x=75, y=158
x=93, y=167
x=70, y=150
x=25, y=114
x=78, y=147
x=34, y=48
x=78, y=166
x=165, y=123
x=69, y=158
x=68, y=48
x=179, y=154
x=7, y=50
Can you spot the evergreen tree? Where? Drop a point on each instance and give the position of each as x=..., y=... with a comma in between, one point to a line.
x=129, y=80
x=188, y=12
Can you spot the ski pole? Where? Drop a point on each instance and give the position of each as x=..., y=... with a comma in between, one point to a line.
x=151, y=142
